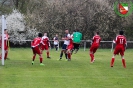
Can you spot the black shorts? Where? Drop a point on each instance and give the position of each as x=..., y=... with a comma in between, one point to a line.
x=76, y=46
x=56, y=45
x=64, y=47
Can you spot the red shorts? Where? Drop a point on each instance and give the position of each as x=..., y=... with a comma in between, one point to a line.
x=119, y=49
x=36, y=50
x=5, y=47
x=94, y=48
x=46, y=47
x=70, y=47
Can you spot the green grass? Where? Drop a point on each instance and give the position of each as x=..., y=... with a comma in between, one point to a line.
x=78, y=73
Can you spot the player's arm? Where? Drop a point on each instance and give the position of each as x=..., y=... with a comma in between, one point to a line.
x=125, y=43
x=114, y=41
x=48, y=42
x=67, y=38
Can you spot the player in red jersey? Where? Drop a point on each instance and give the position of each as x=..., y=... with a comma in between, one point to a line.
x=120, y=48
x=6, y=43
x=69, y=48
x=45, y=44
x=35, y=44
x=95, y=45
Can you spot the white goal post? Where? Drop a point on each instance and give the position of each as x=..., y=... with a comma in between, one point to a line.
x=3, y=27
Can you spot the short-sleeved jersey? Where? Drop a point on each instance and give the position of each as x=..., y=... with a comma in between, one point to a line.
x=120, y=40
x=77, y=36
x=71, y=36
x=56, y=41
x=66, y=42
x=36, y=42
x=45, y=40
x=96, y=40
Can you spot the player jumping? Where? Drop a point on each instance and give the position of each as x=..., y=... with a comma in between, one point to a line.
x=95, y=45
x=77, y=36
x=120, y=48
x=35, y=44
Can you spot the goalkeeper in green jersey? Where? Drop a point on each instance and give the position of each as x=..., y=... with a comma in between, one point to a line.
x=77, y=36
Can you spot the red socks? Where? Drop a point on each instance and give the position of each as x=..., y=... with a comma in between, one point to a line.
x=92, y=57
x=40, y=59
x=6, y=55
x=112, y=62
x=47, y=54
x=124, y=63
x=69, y=55
x=33, y=57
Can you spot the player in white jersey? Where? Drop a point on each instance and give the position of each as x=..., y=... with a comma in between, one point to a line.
x=56, y=42
x=66, y=43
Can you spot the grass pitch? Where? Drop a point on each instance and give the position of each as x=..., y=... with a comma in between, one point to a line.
x=78, y=73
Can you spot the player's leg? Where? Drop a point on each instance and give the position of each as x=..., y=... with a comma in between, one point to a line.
x=123, y=62
x=33, y=58
x=69, y=54
x=65, y=52
x=116, y=51
x=91, y=54
x=112, y=60
x=48, y=53
x=34, y=55
x=123, y=59
x=39, y=52
x=73, y=48
x=0, y=56
x=61, y=54
x=94, y=51
x=6, y=52
x=77, y=48
x=56, y=47
x=41, y=59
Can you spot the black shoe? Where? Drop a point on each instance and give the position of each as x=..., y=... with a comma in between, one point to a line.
x=49, y=57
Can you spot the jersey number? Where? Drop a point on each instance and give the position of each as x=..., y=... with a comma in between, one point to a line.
x=97, y=40
x=121, y=41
